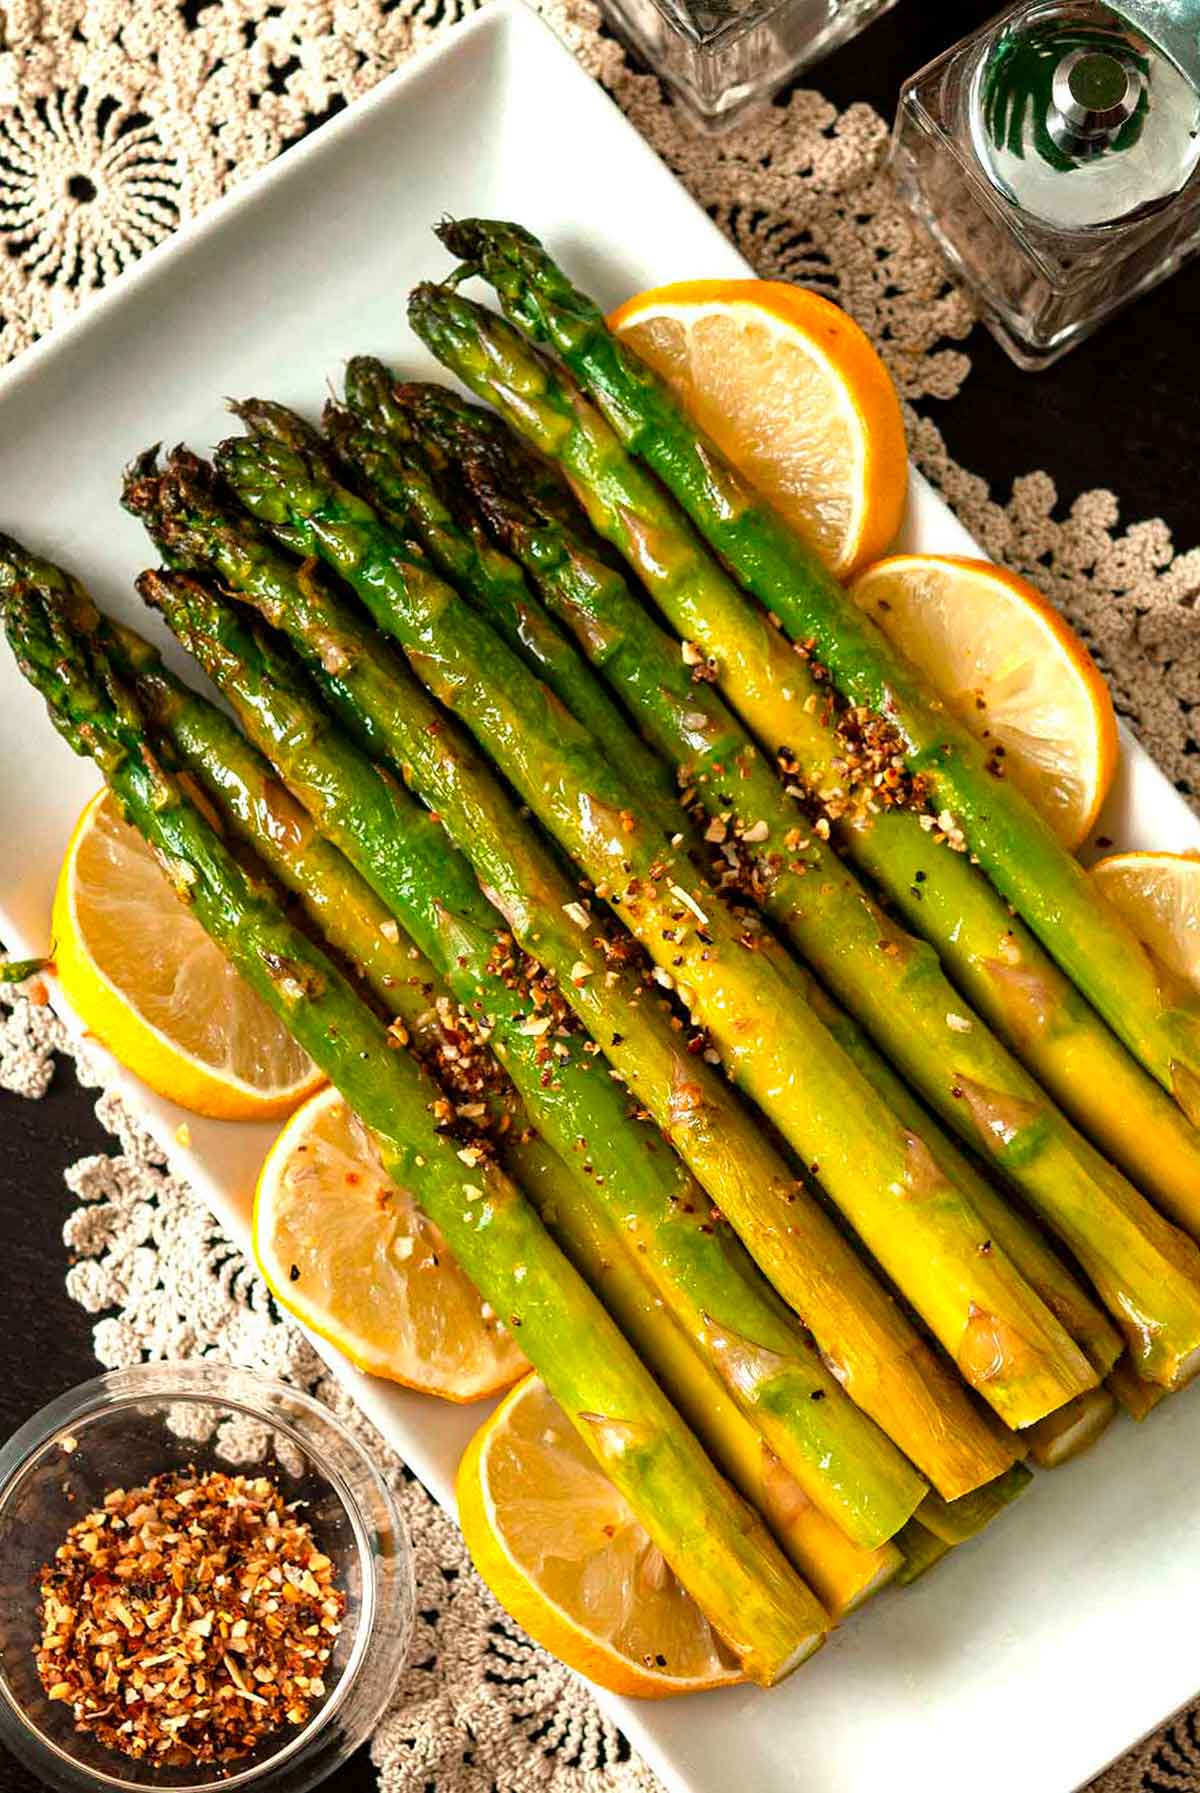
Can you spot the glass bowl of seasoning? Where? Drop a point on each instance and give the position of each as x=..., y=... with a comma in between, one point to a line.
x=204, y=1582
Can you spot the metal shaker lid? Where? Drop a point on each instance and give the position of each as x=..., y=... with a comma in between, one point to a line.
x=1079, y=118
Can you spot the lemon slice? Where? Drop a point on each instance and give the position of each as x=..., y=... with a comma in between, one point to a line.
x=794, y=393
x=352, y=1256
x=1159, y=896
x=146, y=979
x=1011, y=669
x=561, y=1550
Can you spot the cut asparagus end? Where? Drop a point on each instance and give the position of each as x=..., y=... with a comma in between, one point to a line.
x=1073, y=1429
x=921, y=1549
x=954, y=1521
x=1137, y=1397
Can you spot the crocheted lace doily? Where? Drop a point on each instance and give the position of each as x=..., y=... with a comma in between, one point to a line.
x=119, y=118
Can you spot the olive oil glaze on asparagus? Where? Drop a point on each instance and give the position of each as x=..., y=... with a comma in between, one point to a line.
x=1000, y=1333
x=721, y=1552
x=884, y=1365
x=999, y=964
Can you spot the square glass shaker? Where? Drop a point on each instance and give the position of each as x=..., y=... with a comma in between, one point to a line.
x=1053, y=157
x=721, y=57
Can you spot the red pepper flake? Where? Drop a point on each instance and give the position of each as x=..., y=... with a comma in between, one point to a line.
x=187, y=1620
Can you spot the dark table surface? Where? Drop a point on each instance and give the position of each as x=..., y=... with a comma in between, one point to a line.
x=1120, y=411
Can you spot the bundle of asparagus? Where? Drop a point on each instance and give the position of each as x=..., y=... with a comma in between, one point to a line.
x=718, y=1548
x=1159, y=1019
x=883, y=1364
x=1003, y=971
x=1004, y=1339
x=286, y=478
x=704, y=1280
x=202, y=741
x=413, y=612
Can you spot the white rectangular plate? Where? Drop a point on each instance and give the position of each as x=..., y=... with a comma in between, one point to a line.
x=1048, y=1646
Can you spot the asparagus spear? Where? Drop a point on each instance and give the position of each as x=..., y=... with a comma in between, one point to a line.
x=841, y=1573
x=890, y=981
x=1034, y=1256
x=1006, y=1342
x=407, y=494
x=921, y=1549
x=721, y=1553
x=997, y=962
x=955, y=1521
x=1158, y=1018
x=697, y=1268
x=885, y=1366
x=253, y=802
x=1075, y=1428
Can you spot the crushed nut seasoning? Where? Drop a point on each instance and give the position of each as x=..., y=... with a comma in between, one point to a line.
x=873, y=756
x=870, y=765
x=871, y=762
x=185, y=1621
x=453, y=1044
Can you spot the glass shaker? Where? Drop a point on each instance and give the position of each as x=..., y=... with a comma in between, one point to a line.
x=1053, y=158
x=722, y=56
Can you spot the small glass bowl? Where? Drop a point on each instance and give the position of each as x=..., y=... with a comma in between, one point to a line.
x=117, y=1432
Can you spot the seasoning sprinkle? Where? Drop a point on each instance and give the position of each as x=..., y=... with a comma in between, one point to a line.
x=185, y=1621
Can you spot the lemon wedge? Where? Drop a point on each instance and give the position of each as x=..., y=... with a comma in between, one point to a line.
x=150, y=984
x=563, y=1553
x=350, y=1254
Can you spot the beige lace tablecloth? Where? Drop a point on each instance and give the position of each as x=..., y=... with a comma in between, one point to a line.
x=120, y=118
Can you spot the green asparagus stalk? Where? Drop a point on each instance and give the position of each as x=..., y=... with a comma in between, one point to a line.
x=841, y=1573
x=884, y=1364
x=1157, y=1017
x=698, y=1269
x=890, y=981
x=1004, y=1339
x=719, y=1550
x=996, y=961
x=264, y=814
x=408, y=495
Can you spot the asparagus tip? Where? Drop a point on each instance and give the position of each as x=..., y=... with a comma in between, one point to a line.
x=368, y=367
x=140, y=480
x=423, y=295
x=157, y=585
x=445, y=230
x=145, y=584
x=267, y=421
x=12, y=554
x=470, y=238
